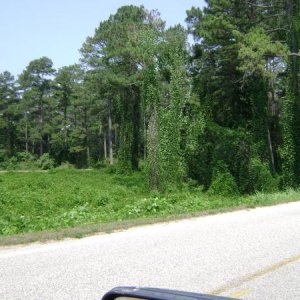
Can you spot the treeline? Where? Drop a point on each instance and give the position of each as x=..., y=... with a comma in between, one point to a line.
x=224, y=113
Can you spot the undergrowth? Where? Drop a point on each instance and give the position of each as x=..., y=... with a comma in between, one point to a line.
x=31, y=202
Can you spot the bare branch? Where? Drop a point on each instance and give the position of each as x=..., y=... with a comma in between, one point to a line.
x=259, y=5
x=276, y=29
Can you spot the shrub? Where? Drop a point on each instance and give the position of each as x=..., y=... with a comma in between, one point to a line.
x=66, y=166
x=101, y=200
x=148, y=206
x=2, y=155
x=45, y=162
x=25, y=157
x=22, y=161
x=26, y=161
x=223, y=183
x=10, y=164
x=260, y=177
x=111, y=169
x=99, y=164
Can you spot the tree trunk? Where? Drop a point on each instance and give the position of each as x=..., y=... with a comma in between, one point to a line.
x=9, y=137
x=26, y=136
x=116, y=132
x=293, y=8
x=48, y=143
x=135, y=119
x=293, y=12
x=105, y=146
x=42, y=125
x=153, y=150
x=272, y=112
x=86, y=137
x=110, y=142
x=145, y=136
x=271, y=150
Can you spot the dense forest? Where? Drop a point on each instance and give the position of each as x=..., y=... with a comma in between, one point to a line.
x=223, y=113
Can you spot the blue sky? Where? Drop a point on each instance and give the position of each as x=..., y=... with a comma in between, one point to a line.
x=30, y=29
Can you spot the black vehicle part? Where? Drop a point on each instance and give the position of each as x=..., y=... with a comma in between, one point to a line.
x=156, y=294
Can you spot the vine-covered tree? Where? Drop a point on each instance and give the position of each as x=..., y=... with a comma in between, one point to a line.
x=224, y=112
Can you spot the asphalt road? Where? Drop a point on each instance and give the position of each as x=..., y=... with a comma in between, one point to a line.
x=250, y=254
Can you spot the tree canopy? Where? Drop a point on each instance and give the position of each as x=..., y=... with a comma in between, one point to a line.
x=142, y=98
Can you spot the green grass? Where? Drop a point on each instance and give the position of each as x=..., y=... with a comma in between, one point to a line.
x=34, y=202
x=66, y=198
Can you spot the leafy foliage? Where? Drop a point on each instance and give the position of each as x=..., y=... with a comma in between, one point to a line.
x=45, y=162
x=223, y=114
x=223, y=183
x=260, y=178
x=36, y=201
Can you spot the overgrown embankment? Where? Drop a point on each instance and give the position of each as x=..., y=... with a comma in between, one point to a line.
x=34, y=202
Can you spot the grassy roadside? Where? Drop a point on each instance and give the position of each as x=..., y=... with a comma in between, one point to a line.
x=106, y=228
x=70, y=203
